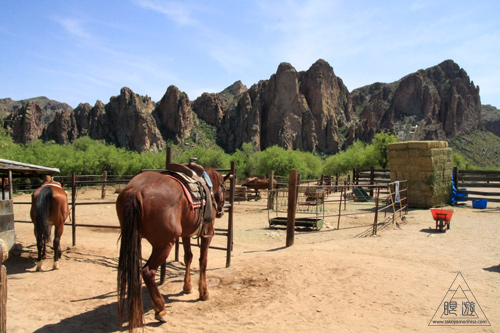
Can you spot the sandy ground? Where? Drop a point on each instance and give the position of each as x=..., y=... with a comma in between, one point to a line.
x=327, y=281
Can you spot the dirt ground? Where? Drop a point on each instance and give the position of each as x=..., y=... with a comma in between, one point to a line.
x=327, y=281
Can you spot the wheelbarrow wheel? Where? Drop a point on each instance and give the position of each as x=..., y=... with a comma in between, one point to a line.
x=441, y=226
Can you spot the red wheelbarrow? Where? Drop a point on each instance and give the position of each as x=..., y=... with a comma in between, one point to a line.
x=442, y=218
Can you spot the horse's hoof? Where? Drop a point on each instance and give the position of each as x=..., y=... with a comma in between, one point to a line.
x=162, y=316
x=56, y=265
x=205, y=297
x=39, y=267
x=186, y=291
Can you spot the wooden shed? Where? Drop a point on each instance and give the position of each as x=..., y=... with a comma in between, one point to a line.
x=8, y=171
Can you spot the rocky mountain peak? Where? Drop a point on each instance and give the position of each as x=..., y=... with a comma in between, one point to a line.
x=441, y=99
x=25, y=125
x=174, y=114
x=310, y=110
x=235, y=89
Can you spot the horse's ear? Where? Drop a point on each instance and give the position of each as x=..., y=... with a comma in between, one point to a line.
x=226, y=177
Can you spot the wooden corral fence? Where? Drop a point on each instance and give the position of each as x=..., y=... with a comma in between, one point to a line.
x=98, y=181
x=390, y=201
x=78, y=182
x=244, y=196
x=477, y=184
x=371, y=176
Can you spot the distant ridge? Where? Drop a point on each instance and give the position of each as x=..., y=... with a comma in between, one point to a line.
x=310, y=110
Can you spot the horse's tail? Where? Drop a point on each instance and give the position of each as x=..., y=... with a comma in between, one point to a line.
x=42, y=212
x=129, y=263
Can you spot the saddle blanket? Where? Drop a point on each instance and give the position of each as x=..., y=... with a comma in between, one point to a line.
x=194, y=203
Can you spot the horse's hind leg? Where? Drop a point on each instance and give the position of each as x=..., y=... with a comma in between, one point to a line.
x=158, y=256
x=205, y=243
x=188, y=258
x=41, y=254
x=57, y=245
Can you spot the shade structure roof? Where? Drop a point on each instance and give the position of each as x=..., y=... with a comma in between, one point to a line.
x=25, y=169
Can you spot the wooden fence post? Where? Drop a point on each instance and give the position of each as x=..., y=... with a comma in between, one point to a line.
x=104, y=179
x=375, y=219
x=270, y=196
x=372, y=179
x=73, y=206
x=230, y=222
x=169, y=156
x=11, y=186
x=340, y=205
x=292, y=207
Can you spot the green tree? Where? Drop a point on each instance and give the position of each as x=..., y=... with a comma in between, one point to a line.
x=380, y=143
x=358, y=155
x=208, y=158
x=244, y=161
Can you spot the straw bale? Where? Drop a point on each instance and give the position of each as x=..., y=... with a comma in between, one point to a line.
x=397, y=146
x=427, y=165
x=426, y=145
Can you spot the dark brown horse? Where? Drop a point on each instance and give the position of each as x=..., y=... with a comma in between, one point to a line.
x=155, y=207
x=258, y=184
x=49, y=207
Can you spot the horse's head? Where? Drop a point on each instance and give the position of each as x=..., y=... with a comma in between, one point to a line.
x=219, y=190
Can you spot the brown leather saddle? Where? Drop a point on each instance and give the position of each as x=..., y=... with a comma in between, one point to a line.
x=191, y=176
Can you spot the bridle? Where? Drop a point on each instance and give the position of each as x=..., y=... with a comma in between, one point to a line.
x=219, y=200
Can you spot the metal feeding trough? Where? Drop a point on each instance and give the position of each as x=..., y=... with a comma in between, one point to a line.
x=304, y=222
x=442, y=218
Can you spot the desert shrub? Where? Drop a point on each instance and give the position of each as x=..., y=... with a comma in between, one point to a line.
x=357, y=155
x=281, y=161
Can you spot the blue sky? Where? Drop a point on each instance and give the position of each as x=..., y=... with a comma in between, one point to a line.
x=87, y=50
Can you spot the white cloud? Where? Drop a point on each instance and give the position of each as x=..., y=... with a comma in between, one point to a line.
x=75, y=28
x=176, y=11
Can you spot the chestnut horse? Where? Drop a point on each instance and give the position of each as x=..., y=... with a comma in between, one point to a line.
x=258, y=184
x=155, y=207
x=49, y=207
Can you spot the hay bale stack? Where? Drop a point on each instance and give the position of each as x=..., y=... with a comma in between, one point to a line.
x=427, y=165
